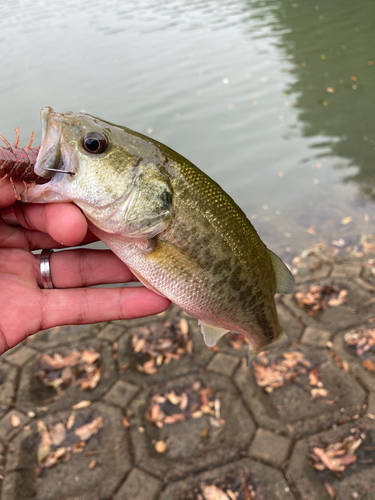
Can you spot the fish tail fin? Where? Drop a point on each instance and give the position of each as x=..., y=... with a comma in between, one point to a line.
x=282, y=341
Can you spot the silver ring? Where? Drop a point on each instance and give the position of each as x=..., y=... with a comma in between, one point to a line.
x=45, y=269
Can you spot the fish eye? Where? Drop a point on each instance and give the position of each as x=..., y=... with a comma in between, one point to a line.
x=95, y=143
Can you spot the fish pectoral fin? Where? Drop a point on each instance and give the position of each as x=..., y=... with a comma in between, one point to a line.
x=284, y=278
x=211, y=334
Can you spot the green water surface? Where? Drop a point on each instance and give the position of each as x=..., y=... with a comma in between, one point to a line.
x=273, y=99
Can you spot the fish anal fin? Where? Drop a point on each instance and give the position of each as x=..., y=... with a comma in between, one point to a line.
x=284, y=278
x=211, y=334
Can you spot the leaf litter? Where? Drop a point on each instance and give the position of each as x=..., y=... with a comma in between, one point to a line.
x=77, y=368
x=182, y=403
x=160, y=344
x=57, y=442
x=288, y=370
x=362, y=343
x=316, y=298
x=233, y=487
x=337, y=456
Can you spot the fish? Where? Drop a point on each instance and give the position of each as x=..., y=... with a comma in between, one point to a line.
x=176, y=229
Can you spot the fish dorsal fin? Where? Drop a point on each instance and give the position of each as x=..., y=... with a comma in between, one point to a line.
x=211, y=334
x=284, y=278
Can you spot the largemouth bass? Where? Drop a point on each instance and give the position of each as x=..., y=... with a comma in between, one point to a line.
x=175, y=227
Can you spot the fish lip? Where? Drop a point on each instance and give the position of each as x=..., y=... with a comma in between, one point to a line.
x=49, y=156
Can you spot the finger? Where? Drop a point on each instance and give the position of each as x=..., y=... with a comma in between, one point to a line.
x=80, y=268
x=17, y=237
x=92, y=305
x=64, y=222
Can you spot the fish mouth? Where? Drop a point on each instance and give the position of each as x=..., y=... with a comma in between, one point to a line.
x=49, y=163
x=49, y=158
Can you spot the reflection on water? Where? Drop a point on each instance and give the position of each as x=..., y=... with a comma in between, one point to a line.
x=238, y=87
x=334, y=68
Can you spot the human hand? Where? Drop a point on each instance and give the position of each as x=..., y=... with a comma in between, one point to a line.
x=26, y=307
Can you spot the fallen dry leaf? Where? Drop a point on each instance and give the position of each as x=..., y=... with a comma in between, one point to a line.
x=331, y=464
x=125, y=423
x=54, y=457
x=331, y=491
x=71, y=420
x=213, y=493
x=369, y=365
x=81, y=404
x=88, y=430
x=90, y=356
x=57, y=433
x=231, y=495
x=92, y=464
x=15, y=421
x=160, y=447
x=184, y=326
x=44, y=447
x=319, y=392
x=346, y=220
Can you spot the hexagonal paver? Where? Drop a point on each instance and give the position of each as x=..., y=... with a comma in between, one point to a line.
x=21, y=356
x=223, y=364
x=121, y=393
x=200, y=357
x=192, y=444
x=316, y=337
x=356, y=309
x=139, y=486
x=33, y=393
x=291, y=408
x=357, y=364
x=269, y=482
x=270, y=447
x=356, y=481
x=8, y=379
x=73, y=476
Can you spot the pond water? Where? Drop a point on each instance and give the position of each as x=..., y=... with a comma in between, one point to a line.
x=274, y=99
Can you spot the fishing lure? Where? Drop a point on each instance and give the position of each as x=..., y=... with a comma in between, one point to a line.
x=18, y=163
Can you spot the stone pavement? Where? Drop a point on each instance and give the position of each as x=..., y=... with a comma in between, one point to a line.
x=143, y=410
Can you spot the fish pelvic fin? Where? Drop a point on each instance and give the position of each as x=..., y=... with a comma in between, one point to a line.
x=211, y=334
x=284, y=278
x=282, y=341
